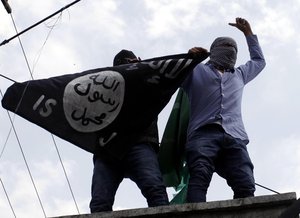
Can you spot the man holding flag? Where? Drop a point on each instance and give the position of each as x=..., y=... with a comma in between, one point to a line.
x=107, y=111
x=140, y=164
x=216, y=137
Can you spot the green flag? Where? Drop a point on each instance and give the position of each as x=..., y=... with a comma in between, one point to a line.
x=171, y=154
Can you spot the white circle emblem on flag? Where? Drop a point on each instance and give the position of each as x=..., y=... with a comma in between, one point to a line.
x=93, y=101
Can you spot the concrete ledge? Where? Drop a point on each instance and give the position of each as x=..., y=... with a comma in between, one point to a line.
x=267, y=206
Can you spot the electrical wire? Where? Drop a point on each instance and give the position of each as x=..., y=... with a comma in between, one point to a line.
x=26, y=163
x=31, y=74
x=47, y=37
x=5, y=77
x=63, y=167
x=11, y=207
x=7, y=137
x=13, y=127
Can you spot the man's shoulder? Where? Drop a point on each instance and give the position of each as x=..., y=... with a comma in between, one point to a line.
x=202, y=66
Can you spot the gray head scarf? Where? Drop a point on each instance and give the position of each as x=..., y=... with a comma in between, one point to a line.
x=223, y=53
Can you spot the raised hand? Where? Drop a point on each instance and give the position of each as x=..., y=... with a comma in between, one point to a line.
x=243, y=25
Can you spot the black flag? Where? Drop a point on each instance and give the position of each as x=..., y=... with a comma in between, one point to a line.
x=104, y=108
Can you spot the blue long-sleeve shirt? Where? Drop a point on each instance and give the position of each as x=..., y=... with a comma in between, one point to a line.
x=216, y=98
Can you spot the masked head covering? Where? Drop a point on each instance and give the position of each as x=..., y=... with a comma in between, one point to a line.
x=223, y=53
x=123, y=56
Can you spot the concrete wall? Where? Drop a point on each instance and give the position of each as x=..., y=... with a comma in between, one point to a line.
x=268, y=206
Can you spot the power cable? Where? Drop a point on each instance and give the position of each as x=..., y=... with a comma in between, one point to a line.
x=7, y=137
x=31, y=74
x=63, y=167
x=12, y=209
x=5, y=77
x=27, y=166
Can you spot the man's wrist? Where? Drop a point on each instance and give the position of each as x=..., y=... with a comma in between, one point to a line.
x=248, y=33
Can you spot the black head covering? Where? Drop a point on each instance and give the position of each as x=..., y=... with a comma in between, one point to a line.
x=120, y=58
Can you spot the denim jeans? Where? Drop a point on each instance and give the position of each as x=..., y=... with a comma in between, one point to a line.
x=140, y=165
x=211, y=150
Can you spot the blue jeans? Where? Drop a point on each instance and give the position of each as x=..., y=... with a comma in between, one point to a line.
x=211, y=150
x=140, y=165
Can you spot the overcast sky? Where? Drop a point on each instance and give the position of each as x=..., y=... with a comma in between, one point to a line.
x=90, y=33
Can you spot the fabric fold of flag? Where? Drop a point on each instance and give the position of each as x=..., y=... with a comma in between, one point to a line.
x=171, y=151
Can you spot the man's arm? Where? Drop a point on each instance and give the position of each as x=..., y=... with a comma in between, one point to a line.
x=198, y=52
x=257, y=61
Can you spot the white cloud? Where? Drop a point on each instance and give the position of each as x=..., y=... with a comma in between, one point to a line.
x=278, y=164
x=277, y=25
x=279, y=22
x=5, y=27
x=55, y=50
x=298, y=50
x=288, y=159
x=168, y=17
x=50, y=183
x=102, y=20
x=33, y=8
x=20, y=190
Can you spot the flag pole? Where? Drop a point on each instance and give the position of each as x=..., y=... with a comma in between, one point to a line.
x=6, y=6
x=34, y=25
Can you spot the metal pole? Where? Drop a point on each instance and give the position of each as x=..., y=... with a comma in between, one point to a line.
x=34, y=25
x=6, y=6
